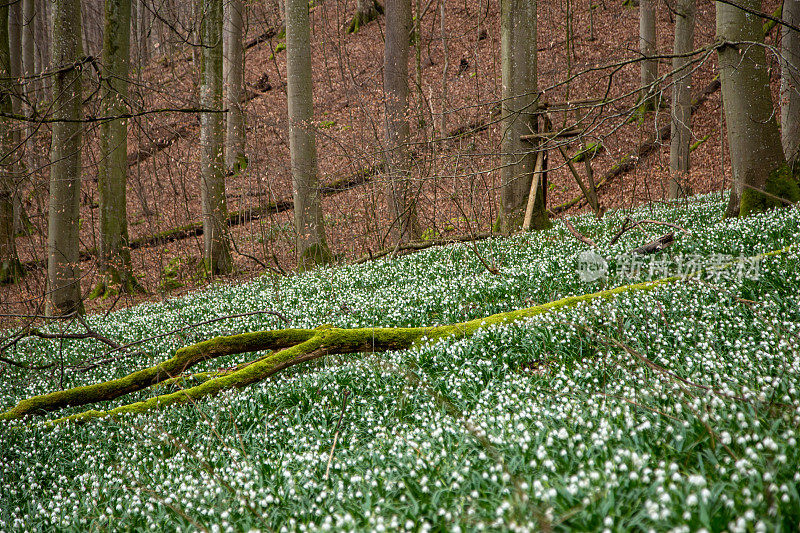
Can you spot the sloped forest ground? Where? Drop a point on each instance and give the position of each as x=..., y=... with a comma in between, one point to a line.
x=457, y=178
x=674, y=408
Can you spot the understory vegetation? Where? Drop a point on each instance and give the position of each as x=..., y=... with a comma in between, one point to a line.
x=649, y=409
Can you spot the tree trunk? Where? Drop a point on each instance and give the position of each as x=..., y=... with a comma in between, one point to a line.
x=143, y=49
x=44, y=38
x=63, y=269
x=234, y=85
x=308, y=222
x=755, y=144
x=212, y=186
x=366, y=12
x=28, y=47
x=647, y=48
x=681, y=100
x=10, y=267
x=400, y=193
x=519, y=101
x=114, y=251
x=790, y=82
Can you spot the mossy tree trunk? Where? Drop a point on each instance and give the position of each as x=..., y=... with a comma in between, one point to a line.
x=10, y=267
x=312, y=247
x=114, y=252
x=366, y=12
x=681, y=133
x=518, y=57
x=216, y=248
x=285, y=348
x=790, y=83
x=400, y=193
x=63, y=245
x=755, y=144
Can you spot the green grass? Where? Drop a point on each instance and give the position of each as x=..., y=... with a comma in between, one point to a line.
x=555, y=421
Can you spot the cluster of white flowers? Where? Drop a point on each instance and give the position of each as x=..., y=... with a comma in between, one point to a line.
x=653, y=408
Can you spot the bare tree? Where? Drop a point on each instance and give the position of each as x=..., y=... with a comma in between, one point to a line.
x=400, y=194
x=681, y=100
x=63, y=269
x=311, y=244
x=115, y=255
x=755, y=144
x=10, y=268
x=647, y=47
x=212, y=183
x=790, y=82
x=518, y=116
x=233, y=67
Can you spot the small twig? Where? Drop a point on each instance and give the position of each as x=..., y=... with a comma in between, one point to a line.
x=577, y=234
x=336, y=435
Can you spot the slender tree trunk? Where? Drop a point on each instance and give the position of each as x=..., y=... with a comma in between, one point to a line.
x=10, y=268
x=681, y=100
x=28, y=46
x=311, y=244
x=15, y=22
x=63, y=269
x=234, y=85
x=115, y=255
x=144, y=31
x=647, y=47
x=790, y=82
x=519, y=100
x=366, y=12
x=44, y=37
x=755, y=144
x=212, y=186
x=400, y=194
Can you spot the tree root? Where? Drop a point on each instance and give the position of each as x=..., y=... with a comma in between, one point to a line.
x=293, y=346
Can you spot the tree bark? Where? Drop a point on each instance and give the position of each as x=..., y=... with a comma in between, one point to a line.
x=308, y=222
x=366, y=12
x=519, y=101
x=63, y=269
x=28, y=46
x=44, y=37
x=10, y=267
x=681, y=100
x=212, y=185
x=755, y=144
x=143, y=50
x=647, y=48
x=234, y=85
x=790, y=82
x=400, y=192
x=114, y=252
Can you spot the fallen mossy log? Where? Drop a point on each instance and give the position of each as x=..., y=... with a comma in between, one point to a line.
x=292, y=346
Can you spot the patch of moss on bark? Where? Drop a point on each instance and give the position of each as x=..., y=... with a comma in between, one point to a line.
x=781, y=183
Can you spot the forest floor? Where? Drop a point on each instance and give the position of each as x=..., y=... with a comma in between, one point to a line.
x=458, y=177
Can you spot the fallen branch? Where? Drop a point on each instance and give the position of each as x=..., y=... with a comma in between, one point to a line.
x=665, y=241
x=578, y=235
x=626, y=227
